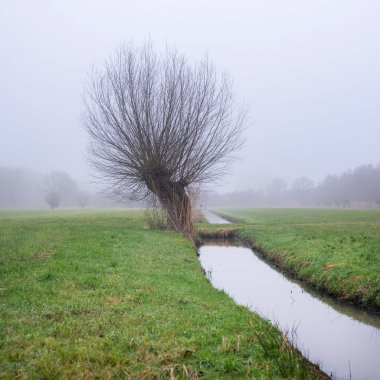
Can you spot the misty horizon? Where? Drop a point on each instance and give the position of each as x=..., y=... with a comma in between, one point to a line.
x=355, y=188
x=91, y=184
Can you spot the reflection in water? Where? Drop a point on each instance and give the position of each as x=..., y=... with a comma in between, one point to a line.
x=332, y=336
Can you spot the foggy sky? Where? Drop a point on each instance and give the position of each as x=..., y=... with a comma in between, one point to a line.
x=308, y=69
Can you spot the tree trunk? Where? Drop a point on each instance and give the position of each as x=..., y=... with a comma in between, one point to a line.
x=176, y=203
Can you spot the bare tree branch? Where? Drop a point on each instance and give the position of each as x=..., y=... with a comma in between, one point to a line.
x=158, y=125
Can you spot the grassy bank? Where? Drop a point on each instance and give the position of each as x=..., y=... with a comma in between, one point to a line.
x=98, y=295
x=337, y=251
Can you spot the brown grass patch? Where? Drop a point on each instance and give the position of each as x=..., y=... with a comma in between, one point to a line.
x=43, y=255
x=115, y=299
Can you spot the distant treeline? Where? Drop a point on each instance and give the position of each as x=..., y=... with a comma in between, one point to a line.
x=359, y=187
x=25, y=188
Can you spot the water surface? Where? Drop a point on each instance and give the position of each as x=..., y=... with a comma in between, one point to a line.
x=213, y=218
x=345, y=341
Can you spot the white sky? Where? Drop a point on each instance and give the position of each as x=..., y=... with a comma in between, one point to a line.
x=310, y=71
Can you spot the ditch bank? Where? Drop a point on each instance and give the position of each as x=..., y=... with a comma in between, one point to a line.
x=277, y=260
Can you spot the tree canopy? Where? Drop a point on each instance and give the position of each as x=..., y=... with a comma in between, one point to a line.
x=159, y=125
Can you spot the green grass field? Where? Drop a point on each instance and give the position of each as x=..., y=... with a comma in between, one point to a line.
x=96, y=295
x=335, y=250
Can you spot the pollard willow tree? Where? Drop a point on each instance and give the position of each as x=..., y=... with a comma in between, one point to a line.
x=159, y=126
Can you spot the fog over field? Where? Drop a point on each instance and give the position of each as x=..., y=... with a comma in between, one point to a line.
x=309, y=72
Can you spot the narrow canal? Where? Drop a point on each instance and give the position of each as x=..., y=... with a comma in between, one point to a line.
x=343, y=340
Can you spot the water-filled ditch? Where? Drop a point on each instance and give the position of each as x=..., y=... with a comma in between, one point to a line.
x=214, y=218
x=343, y=340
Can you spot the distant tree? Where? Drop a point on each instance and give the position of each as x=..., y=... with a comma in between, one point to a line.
x=328, y=191
x=360, y=185
x=363, y=183
x=53, y=199
x=301, y=189
x=276, y=190
x=82, y=198
x=158, y=126
x=57, y=186
x=302, y=184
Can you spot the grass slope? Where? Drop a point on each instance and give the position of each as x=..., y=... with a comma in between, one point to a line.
x=337, y=251
x=98, y=295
